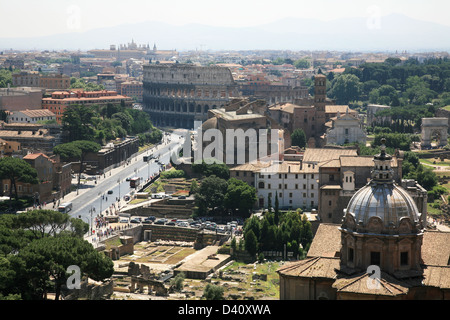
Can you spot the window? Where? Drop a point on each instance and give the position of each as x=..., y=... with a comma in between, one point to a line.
x=375, y=258
x=279, y=186
x=279, y=176
x=280, y=195
x=290, y=194
x=269, y=186
x=404, y=258
x=329, y=203
x=350, y=255
x=346, y=131
x=296, y=186
x=261, y=185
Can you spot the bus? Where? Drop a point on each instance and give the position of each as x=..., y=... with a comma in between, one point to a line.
x=135, y=182
x=65, y=207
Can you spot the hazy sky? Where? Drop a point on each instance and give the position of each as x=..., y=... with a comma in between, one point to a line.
x=25, y=18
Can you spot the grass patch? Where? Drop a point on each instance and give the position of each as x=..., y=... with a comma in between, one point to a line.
x=113, y=242
x=136, y=201
x=432, y=210
x=436, y=162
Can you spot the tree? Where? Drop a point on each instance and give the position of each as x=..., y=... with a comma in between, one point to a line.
x=211, y=194
x=346, y=88
x=302, y=64
x=393, y=61
x=87, y=86
x=177, y=281
x=426, y=177
x=220, y=170
x=48, y=258
x=77, y=123
x=17, y=170
x=251, y=243
x=44, y=223
x=277, y=210
x=194, y=187
x=77, y=150
x=213, y=292
x=5, y=78
x=239, y=196
x=298, y=138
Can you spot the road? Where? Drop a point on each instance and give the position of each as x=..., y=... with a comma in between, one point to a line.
x=90, y=196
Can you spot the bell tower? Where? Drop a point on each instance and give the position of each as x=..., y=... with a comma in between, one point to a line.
x=320, y=96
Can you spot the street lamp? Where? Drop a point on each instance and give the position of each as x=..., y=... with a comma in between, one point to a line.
x=118, y=181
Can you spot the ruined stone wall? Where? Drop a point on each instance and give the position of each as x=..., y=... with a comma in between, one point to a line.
x=177, y=95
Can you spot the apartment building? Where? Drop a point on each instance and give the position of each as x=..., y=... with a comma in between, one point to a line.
x=60, y=100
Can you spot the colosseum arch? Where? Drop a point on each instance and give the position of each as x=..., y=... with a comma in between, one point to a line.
x=434, y=127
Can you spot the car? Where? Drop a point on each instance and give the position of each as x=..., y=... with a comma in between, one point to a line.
x=123, y=220
x=148, y=220
x=181, y=197
x=135, y=221
x=170, y=223
x=160, y=221
x=110, y=192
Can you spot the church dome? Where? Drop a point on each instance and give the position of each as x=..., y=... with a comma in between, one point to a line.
x=382, y=206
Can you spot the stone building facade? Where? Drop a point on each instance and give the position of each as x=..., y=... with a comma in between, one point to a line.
x=346, y=129
x=179, y=94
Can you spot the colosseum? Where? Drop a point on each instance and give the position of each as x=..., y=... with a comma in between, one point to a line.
x=176, y=95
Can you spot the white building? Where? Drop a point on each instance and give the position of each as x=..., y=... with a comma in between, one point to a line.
x=31, y=116
x=346, y=128
x=295, y=184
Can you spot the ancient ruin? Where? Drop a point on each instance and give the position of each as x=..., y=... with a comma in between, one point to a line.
x=434, y=127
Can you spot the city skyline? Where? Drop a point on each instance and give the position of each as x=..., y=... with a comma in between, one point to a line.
x=49, y=17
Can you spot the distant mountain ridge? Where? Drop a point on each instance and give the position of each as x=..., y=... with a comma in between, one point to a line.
x=389, y=33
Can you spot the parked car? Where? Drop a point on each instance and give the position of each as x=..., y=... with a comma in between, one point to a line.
x=170, y=223
x=110, y=191
x=135, y=221
x=123, y=220
x=160, y=221
x=148, y=220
